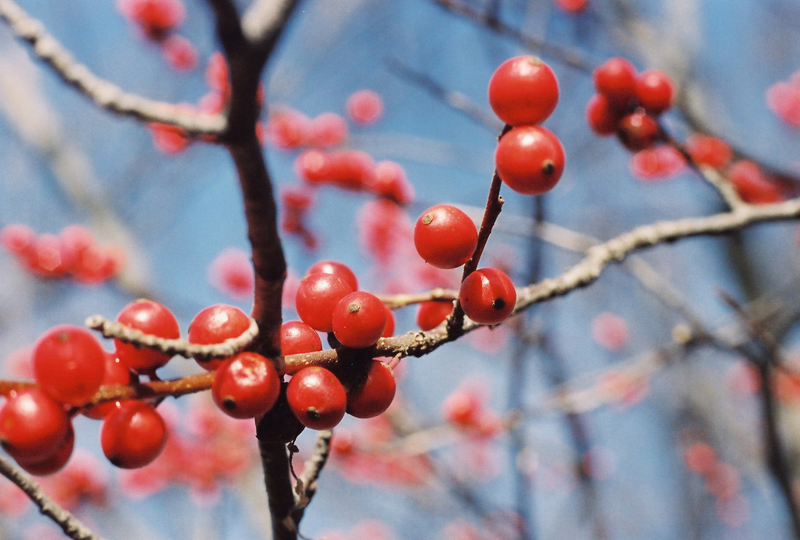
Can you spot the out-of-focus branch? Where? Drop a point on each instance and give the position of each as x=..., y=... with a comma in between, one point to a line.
x=104, y=94
x=71, y=526
x=264, y=20
x=306, y=485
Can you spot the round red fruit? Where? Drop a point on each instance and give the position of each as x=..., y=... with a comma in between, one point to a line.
x=523, y=91
x=151, y=318
x=616, y=80
x=133, y=435
x=317, y=398
x=654, y=91
x=601, y=116
x=337, y=269
x=373, y=396
x=214, y=325
x=445, y=236
x=638, y=131
x=246, y=385
x=32, y=424
x=53, y=462
x=359, y=320
x=69, y=364
x=530, y=160
x=317, y=296
x=115, y=373
x=298, y=338
x=432, y=314
x=488, y=296
x=388, y=330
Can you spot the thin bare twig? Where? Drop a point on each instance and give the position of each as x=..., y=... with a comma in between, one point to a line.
x=306, y=485
x=396, y=301
x=104, y=94
x=71, y=526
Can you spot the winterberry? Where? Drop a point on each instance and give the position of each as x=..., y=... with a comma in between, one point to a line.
x=214, y=325
x=326, y=130
x=616, y=80
x=32, y=424
x=752, y=185
x=445, y=236
x=529, y=160
x=297, y=337
x=432, y=314
x=359, y=320
x=317, y=398
x=337, y=269
x=654, y=91
x=54, y=461
x=18, y=239
x=708, y=150
x=115, y=374
x=488, y=296
x=523, y=91
x=133, y=434
x=638, y=131
x=388, y=330
x=69, y=364
x=317, y=296
x=364, y=107
x=151, y=318
x=601, y=116
x=374, y=395
x=246, y=385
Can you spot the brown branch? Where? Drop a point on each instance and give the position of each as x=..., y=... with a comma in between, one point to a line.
x=275, y=461
x=71, y=526
x=229, y=347
x=306, y=486
x=104, y=94
x=396, y=301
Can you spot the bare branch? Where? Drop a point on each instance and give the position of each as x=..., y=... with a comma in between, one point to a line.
x=229, y=347
x=71, y=526
x=307, y=483
x=264, y=19
x=104, y=94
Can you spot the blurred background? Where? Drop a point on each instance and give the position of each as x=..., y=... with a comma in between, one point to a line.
x=594, y=415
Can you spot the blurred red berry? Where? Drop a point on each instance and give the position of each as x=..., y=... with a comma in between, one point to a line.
x=364, y=107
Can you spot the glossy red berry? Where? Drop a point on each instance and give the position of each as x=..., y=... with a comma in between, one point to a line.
x=115, y=373
x=388, y=330
x=374, y=395
x=616, y=80
x=445, y=236
x=151, y=318
x=654, y=91
x=317, y=398
x=601, y=116
x=246, y=385
x=317, y=296
x=752, y=185
x=32, y=424
x=523, y=91
x=297, y=338
x=707, y=150
x=488, y=296
x=432, y=314
x=133, y=435
x=530, y=160
x=638, y=131
x=214, y=325
x=359, y=320
x=337, y=269
x=54, y=461
x=69, y=364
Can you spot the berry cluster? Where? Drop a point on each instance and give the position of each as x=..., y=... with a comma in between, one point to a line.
x=72, y=253
x=157, y=20
x=523, y=92
x=628, y=103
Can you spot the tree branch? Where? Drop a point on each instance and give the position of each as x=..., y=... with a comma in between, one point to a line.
x=71, y=526
x=104, y=94
x=307, y=483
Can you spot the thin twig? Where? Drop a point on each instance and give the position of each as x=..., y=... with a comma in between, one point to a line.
x=104, y=94
x=396, y=301
x=71, y=526
x=306, y=486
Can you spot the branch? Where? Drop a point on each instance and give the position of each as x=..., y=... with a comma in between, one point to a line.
x=104, y=94
x=275, y=462
x=306, y=486
x=264, y=20
x=71, y=526
x=396, y=301
x=126, y=334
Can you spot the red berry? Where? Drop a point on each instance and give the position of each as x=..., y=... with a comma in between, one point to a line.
x=18, y=239
x=445, y=236
x=530, y=160
x=246, y=385
x=388, y=330
x=375, y=394
x=53, y=462
x=316, y=398
x=707, y=150
x=69, y=364
x=317, y=296
x=168, y=138
x=133, y=435
x=390, y=181
x=288, y=129
x=752, y=184
x=432, y=314
x=151, y=318
x=48, y=258
x=638, y=131
x=179, y=52
x=327, y=129
x=32, y=424
x=214, y=325
x=616, y=80
x=297, y=338
x=601, y=116
x=488, y=296
x=572, y=6
x=115, y=373
x=654, y=91
x=358, y=320
x=313, y=166
x=337, y=269
x=364, y=107
x=523, y=91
